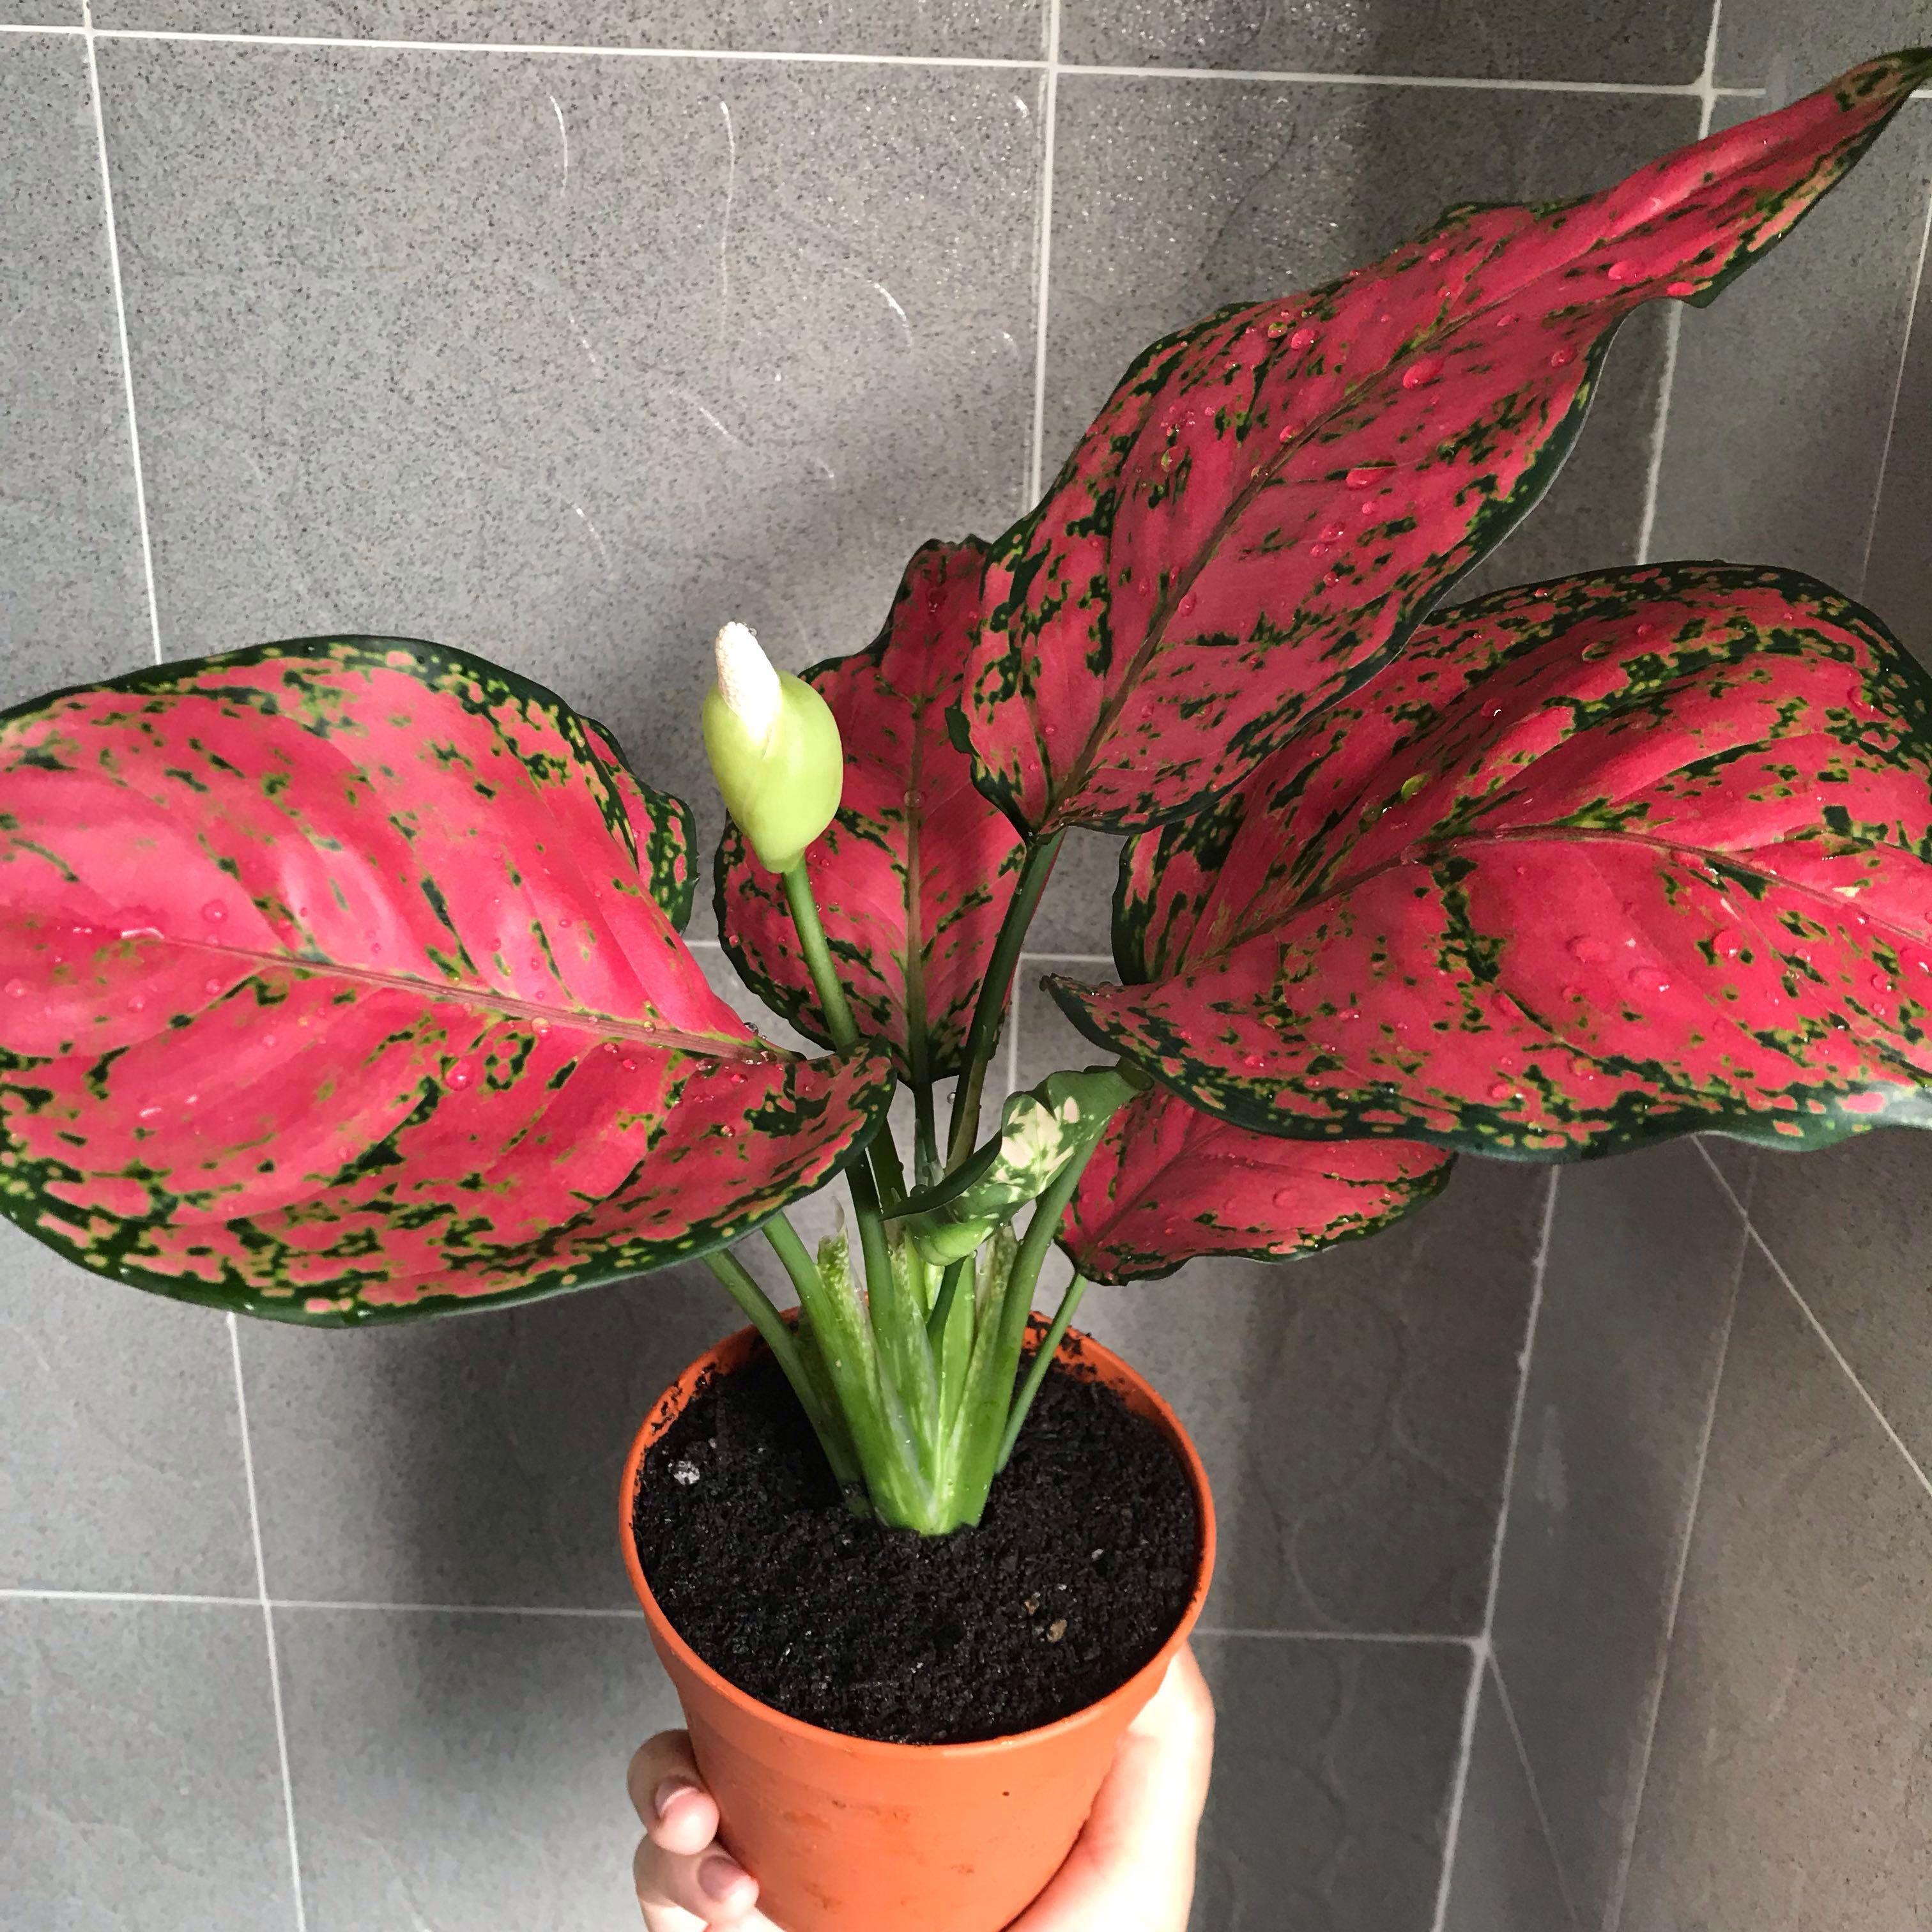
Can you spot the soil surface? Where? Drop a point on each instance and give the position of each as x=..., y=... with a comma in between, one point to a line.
x=1075, y=1577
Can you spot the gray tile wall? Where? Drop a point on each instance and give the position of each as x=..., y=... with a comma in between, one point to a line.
x=558, y=331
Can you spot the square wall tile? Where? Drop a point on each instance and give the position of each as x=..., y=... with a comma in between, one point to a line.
x=989, y=29
x=568, y=361
x=1171, y=199
x=1505, y=1877
x=1848, y=1225
x=1643, y=1262
x=1353, y=1408
x=1784, y=387
x=72, y=601
x=467, y=1770
x=1333, y=1766
x=1790, y=1785
x=140, y=1788
x=1791, y=46
x=473, y=1459
x=1662, y=41
x=1898, y=576
x=122, y=1467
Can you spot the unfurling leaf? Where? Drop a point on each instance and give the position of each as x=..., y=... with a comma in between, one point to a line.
x=1040, y=1131
x=1272, y=499
x=1168, y=1183
x=1595, y=862
x=331, y=988
x=915, y=874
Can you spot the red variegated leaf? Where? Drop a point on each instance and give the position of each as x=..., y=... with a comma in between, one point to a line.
x=914, y=875
x=1169, y=1183
x=337, y=982
x=1271, y=498
x=1595, y=861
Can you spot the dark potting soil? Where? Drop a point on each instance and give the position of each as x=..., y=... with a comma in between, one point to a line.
x=1075, y=1577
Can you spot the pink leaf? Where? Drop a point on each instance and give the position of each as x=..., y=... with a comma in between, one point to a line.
x=331, y=988
x=1169, y=1183
x=1272, y=499
x=1594, y=862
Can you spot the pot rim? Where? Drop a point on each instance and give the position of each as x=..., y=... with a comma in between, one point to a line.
x=782, y=1722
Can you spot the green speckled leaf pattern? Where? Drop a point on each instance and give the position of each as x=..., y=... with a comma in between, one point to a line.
x=1596, y=861
x=1273, y=498
x=339, y=982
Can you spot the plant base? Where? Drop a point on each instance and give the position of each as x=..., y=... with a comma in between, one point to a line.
x=843, y=1831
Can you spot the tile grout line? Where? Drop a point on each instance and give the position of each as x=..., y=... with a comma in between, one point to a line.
x=1446, y=1639
x=1897, y=395
x=1303, y=76
x=1613, y=1912
x=1486, y=1642
x=1043, y=257
x=1535, y=1790
x=1705, y=92
x=1460, y=1640
x=1299, y=76
x=87, y=35
x=268, y=1626
x=1838, y=1355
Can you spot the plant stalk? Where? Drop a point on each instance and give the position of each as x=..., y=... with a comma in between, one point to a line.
x=990, y=1007
x=1043, y=1361
x=838, y=1445
x=882, y=1155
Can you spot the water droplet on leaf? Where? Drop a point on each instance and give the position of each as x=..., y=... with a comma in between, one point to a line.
x=1591, y=951
x=1560, y=358
x=1680, y=289
x=215, y=912
x=1360, y=479
x=16, y=989
x=1302, y=338
x=1649, y=979
x=1624, y=272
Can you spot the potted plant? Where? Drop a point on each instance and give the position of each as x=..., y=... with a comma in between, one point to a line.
x=342, y=982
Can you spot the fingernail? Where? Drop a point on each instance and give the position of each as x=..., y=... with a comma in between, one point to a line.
x=669, y=1792
x=718, y=1875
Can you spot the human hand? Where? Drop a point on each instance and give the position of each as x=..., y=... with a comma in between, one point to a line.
x=1132, y=1869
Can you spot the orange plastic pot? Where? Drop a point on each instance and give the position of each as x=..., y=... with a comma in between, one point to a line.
x=846, y=1834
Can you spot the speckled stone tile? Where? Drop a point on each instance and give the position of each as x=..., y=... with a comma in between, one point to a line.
x=1504, y=1878
x=566, y=362
x=1333, y=1763
x=1790, y=1785
x=1791, y=45
x=139, y=1787
x=1354, y=1408
x=1643, y=1263
x=473, y=1459
x=122, y=1465
x=1661, y=41
x=1848, y=1225
x=467, y=1770
x=1172, y=198
x=1898, y=576
x=72, y=601
x=1784, y=387
x=986, y=29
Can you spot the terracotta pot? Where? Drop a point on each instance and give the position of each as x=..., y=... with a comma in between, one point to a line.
x=845, y=1834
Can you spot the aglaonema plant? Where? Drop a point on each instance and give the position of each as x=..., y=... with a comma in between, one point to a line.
x=343, y=980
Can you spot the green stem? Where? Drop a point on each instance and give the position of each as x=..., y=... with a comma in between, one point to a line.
x=990, y=1008
x=783, y=1345
x=989, y=1398
x=1043, y=1361
x=882, y=1155
x=942, y=1306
